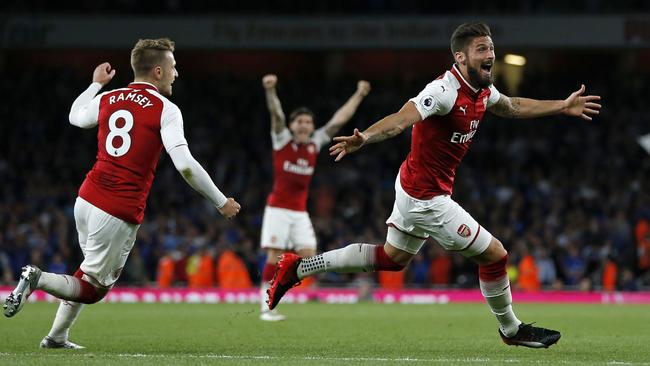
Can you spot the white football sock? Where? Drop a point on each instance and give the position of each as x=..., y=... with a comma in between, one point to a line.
x=264, y=307
x=350, y=259
x=499, y=298
x=59, y=285
x=65, y=316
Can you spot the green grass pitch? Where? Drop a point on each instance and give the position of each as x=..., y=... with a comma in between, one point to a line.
x=321, y=334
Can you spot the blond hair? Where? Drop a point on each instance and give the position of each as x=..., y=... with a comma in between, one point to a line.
x=149, y=53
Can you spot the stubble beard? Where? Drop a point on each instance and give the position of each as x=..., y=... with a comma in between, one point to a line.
x=476, y=79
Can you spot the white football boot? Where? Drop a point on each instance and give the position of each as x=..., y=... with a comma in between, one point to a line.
x=18, y=297
x=48, y=342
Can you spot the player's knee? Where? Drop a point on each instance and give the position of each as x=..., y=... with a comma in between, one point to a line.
x=389, y=258
x=497, y=248
x=99, y=293
x=92, y=297
x=400, y=257
x=91, y=291
x=494, y=253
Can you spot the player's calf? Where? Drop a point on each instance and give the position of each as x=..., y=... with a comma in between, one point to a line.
x=350, y=259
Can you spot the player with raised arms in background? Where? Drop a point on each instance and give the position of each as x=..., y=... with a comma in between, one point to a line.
x=134, y=124
x=286, y=225
x=445, y=117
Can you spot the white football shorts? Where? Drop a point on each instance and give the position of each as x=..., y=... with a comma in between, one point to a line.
x=441, y=218
x=287, y=229
x=105, y=241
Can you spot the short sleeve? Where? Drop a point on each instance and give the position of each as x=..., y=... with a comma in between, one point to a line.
x=437, y=98
x=320, y=138
x=494, y=97
x=280, y=139
x=171, y=127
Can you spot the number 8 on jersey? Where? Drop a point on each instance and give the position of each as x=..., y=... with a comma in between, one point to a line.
x=122, y=132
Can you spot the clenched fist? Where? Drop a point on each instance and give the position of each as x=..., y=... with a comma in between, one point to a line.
x=363, y=87
x=269, y=81
x=103, y=73
x=230, y=209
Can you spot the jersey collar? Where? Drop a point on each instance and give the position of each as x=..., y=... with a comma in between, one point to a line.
x=142, y=85
x=463, y=83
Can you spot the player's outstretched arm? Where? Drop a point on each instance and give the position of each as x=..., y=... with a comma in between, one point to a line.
x=278, y=120
x=387, y=127
x=347, y=110
x=200, y=181
x=85, y=109
x=576, y=105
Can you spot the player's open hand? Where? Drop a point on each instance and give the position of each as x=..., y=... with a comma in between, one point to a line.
x=363, y=87
x=269, y=81
x=348, y=144
x=103, y=73
x=230, y=209
x=583, y=106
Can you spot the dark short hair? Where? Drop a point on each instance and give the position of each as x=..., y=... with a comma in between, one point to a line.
x=464, y=34
x=300, y=110
x=149, y=53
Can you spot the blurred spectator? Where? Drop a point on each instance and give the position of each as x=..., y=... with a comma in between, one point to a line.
x=610, y=275
x=528, y=274
x=231, y=271
x=573, y=265
x=391, y=280
x=200, y=268
x=642, y=234
x=546, y=267
x=165, y=277
x=628, y=281
x=135, y=272
x=6, y=276
x=440, y=268
x=418, y=270
x=57, y=265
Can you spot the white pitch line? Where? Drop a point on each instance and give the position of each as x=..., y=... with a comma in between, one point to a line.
x=333, y=359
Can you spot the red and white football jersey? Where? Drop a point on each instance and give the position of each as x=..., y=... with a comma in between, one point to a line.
x=293, y=168
x=451, y=112
x=134, y=124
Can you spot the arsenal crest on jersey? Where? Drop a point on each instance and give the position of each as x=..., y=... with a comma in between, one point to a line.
x=464, y=231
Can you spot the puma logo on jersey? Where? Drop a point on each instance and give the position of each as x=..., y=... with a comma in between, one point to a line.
x=463, y=109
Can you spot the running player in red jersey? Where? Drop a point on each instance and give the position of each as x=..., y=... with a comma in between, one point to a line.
x=445, y=117
x=286, y=224
x=134, y=124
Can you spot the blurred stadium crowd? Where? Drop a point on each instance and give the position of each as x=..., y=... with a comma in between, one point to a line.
x=570, y=200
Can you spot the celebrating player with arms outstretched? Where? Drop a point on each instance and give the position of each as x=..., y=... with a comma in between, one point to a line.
x=445, y=117
x=134, y=124
x=286, y=224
